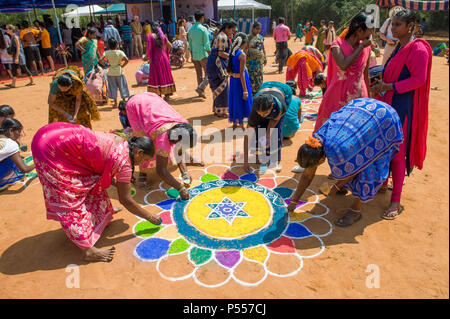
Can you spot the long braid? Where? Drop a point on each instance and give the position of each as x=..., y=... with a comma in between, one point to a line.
x=131, y=147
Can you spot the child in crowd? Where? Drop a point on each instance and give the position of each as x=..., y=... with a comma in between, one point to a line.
x=321, y=81
x=116, y=78
x=240, y=94
x=142, y=74
x=123, y=115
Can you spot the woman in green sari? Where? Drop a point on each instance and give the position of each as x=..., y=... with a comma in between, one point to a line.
x=321, y=36
x=88, y=47
x=256, y=57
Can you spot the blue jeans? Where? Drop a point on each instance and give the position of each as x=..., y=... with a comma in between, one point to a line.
x=124, y=121
x=128, y=48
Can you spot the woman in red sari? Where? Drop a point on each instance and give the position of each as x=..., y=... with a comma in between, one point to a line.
x=406, y=86
x=76, y=166
x=348, y=69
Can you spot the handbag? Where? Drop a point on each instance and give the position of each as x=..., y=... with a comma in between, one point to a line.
x=11, y=50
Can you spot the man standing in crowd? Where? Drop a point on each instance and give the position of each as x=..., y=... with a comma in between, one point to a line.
x=127, y=39
x=111, y=32
x=136, y=28
x=54, y=37
x=76, y=35
x=281, y=34
x=199, y=44
x=30, y=38
x=46, y=46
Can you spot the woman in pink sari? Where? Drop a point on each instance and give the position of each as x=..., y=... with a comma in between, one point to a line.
x=149, y=115
x=348, y=69
x=76, y=166
x=406, y=86
x=160, y=80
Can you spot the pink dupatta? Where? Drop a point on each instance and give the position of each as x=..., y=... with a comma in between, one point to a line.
x=417, y=56
x=343, y=86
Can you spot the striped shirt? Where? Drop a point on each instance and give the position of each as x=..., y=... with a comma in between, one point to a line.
x=126, y=32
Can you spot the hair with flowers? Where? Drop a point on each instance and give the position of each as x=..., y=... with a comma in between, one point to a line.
x=313, y=142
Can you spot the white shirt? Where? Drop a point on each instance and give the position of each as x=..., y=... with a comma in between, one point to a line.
x=7, y=148
x=188, y=26
x=389, y=29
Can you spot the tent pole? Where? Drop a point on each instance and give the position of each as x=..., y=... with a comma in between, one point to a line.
x=151, y=7
x=29, y=18
x=234, y=14
x=34, y=10
x=59, y=31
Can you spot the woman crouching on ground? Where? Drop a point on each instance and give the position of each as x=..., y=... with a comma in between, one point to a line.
x=76, y=166
x=359, y=141
x=149, y=115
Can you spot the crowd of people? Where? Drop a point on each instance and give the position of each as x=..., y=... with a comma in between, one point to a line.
x=367, y=128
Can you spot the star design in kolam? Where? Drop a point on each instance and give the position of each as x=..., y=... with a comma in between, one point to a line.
x=227, y=209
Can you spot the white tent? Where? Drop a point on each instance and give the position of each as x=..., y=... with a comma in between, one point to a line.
x=242, y=4
x=83, y=11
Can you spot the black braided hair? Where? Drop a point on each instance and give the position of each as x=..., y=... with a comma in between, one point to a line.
x=293, y=85
x=6, y=110
x=10, y=124
x=358, y=22
x=228, y=24
x=154, y=26
x=308, y=156
x=177, y=132
x=407, y=16
x=230, y=59
x=64, y=80
x=262, y=102
x=144, y=143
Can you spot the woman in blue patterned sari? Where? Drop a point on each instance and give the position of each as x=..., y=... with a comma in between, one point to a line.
x=216, y=68
x=359, y=142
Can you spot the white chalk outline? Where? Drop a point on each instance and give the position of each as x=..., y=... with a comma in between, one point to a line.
x=231, y=271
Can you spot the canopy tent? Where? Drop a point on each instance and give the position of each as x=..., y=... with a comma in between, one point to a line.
x=416, y=5
x=114, y=8
x=83, y=11
x=242, y=4
x=37, y=4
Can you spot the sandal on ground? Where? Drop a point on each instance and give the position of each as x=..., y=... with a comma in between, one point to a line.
x=116, y=209
x=30, y=84
x=348, y=218
x=10, y=86
x=397, y=212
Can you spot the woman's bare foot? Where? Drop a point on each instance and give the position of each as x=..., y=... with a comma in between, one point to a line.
x=95, y=254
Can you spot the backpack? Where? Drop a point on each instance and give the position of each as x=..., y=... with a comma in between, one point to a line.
x=11, y=50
